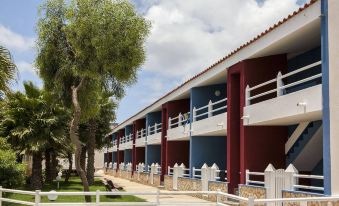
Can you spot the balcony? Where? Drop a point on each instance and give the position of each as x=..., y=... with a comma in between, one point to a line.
x=154, y=134
x=115, y=146
x=179, y=127
x=210, y=120
x=126, y=142
x=276, y=103
x=140, y=141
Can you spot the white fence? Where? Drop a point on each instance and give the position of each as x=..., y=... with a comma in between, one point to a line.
x=277, y=180
x=156, y=128
x=209, y=109
x=179, y=120
x=279, y=83
x=158, y=200
x=206, y=174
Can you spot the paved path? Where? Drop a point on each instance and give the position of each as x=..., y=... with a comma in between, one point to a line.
x=136, y=187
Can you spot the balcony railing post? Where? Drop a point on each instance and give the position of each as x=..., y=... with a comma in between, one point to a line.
x=169, y=122
x=155, y=128
x=194, y=114
x=279, y=84
x=210, y=109
x=149, y=130
x=247, y=96
x=247, y=177
x=180, y=119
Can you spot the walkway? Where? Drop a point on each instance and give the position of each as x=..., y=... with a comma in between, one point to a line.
x=136, y=187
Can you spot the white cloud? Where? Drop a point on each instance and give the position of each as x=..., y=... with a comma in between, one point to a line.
x=24, y=66
x=15, y=41
x=187, y=36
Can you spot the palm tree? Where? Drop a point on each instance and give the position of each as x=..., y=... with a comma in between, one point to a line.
x=32, y=124
x=7, y=70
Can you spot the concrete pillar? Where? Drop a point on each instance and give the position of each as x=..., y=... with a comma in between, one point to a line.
x=330, y=71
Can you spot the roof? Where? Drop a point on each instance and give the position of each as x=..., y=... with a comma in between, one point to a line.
x=305, y=6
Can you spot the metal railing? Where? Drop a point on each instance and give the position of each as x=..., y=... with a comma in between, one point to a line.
x=279, y=84
x=249, y=181
x=307, y=187
x=209, y=110
x=156, y=128
x=179, y=120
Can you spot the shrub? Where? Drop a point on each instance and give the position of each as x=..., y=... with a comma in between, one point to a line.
x=12, y=173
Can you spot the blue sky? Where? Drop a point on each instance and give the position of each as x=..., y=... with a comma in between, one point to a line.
x=186, y=37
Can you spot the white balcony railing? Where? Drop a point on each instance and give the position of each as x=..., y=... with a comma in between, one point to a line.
x=156, y=128
x=179, y=120
x=115, y=142
x=141, y=133
x=279, y=82
x=209, y=110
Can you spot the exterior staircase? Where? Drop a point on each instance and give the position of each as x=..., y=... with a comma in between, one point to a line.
x=306, y=152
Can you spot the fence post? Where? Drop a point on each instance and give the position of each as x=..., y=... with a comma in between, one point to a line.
x=37, y=198
x=290, y=179
x=250, y=201
x=218, y=196
x=270, y=182
x=210, y=108
x=194, y=114
x=0, y=195
x=158, y=197
x=214, y=172
x=247, y=96
x=279, y=84
x=97, y=198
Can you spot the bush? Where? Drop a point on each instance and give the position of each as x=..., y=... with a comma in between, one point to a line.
x=12, y=173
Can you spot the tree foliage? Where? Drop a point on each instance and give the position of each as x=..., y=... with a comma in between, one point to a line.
x=8, y=70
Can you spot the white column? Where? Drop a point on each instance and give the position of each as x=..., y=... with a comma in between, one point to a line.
x=270, y=181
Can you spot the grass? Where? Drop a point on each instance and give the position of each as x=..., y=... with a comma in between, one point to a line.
x=74, y=185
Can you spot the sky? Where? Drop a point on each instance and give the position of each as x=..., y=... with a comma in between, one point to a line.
x=186, y=37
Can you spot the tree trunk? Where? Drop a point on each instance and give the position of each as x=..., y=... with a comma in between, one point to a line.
x=83, y=158
x=36, y=179
x=74, y=136
x=70, y=167
x=48, y=176
x=54, y=165
x=91, y=145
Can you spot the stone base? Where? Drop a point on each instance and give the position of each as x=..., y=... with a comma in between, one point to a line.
x=296, y=194
x=215, y=186
x=168, y=182
x=126, y=175
x=252, y=191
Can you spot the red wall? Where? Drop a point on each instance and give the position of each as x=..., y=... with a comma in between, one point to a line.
x=176, y=151
x=138, y=154
x=251, y=147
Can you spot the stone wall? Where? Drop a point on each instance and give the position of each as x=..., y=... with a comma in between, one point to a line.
x=168, y=182
x=187, y=184
x=156, y=181
x=215, y=186
x=126, y=175
x=252, y=191
x=296, y=194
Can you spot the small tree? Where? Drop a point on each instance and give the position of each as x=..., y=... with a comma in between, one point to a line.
x=86, y=47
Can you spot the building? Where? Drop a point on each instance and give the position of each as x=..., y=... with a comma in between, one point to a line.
x=269, y=107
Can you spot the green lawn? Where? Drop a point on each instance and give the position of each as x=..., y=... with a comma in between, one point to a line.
x=74, y=185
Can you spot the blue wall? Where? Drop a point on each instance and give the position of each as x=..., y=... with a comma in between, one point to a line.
x=152, y=118
x=127, y=156
x=208, y=150
x=200, y=96
x=153, y=154
x=300, y=61
x=128, y=130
